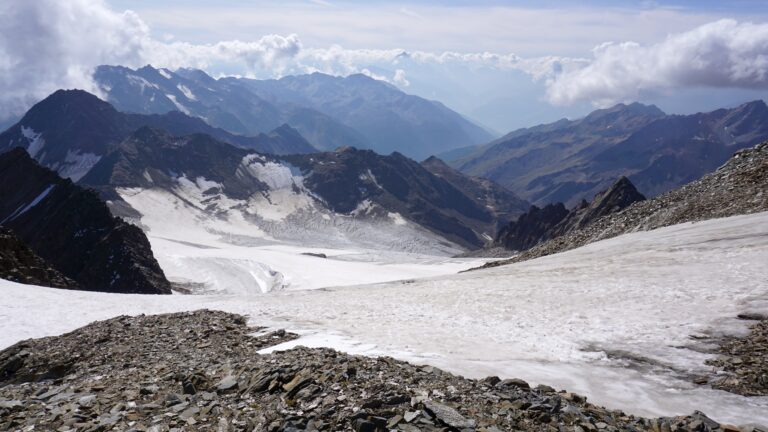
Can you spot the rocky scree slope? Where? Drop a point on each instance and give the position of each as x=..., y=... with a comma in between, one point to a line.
x=541, y=224
x=201, y=371
x=70, y=130
x=568, y=161
x=19, y=264
x=738, y=187
x=73, y=230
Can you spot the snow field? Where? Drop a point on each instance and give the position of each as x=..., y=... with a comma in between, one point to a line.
x=612, y=320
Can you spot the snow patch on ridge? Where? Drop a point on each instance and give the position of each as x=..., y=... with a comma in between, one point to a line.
x=76, y=165
x=178, y=104
x=187, y=92
x=274, y=175
x=140, y=82
x=35, y=140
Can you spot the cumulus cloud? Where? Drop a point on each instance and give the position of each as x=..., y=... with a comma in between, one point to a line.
x=48, y=44
x=725, y=53
x=400, y=78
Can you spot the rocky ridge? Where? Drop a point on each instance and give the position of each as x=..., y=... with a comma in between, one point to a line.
x=736, y=188
x=202, y=371
x=570, y=160
x=542, y=224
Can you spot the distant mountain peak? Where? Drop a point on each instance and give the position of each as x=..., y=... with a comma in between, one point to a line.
x=195, y=75
x=755, y=105
x=434, y=160
x=633, y=109
x=62, y=100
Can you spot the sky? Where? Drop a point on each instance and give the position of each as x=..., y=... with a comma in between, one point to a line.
x=503, y=64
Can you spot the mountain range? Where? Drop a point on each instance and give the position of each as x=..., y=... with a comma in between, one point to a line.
x=330, y=112
x=222, y=175
x=571, y=160
x=223, y=181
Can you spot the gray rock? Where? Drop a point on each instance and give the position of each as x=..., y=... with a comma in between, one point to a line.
x=448, y=415
x=226, y=384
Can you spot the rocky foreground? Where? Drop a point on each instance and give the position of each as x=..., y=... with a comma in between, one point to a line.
x=201, y=371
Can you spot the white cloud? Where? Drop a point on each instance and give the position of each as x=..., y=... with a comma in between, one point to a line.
x=48, y=44
x=400, y=78
x=722, y=54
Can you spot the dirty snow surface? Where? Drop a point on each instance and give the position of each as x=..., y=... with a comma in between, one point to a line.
x=617, y=320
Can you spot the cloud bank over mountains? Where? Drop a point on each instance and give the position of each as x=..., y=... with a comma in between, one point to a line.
x=48, y=44
x=724, y=53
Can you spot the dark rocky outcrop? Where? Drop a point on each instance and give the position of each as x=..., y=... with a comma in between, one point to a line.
x=532, y=227
x=202, y=371
x=19, y=264
x=72, y=230
x=571, y=160
x=542, y=224
x=738, y=187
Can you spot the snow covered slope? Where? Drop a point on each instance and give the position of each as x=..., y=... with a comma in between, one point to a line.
x=613, y=320
x=208, y=241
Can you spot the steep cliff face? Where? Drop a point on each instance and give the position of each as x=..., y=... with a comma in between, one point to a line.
x=72, y=230
x=542, y=224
